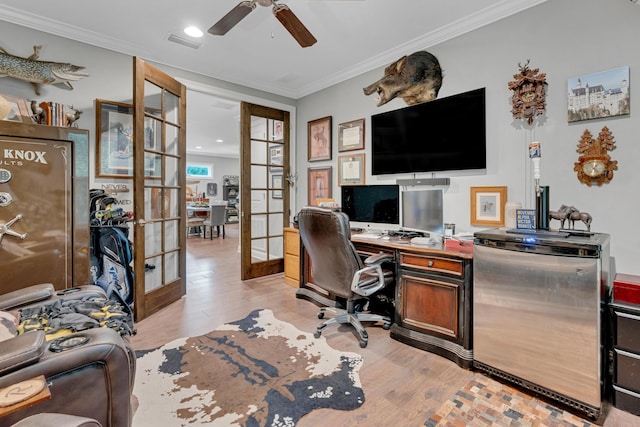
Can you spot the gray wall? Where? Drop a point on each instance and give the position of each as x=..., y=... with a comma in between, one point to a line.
x=221, y=166
x=110, y=78
x=565, y=39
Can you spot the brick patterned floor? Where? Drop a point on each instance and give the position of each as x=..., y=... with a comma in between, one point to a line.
x=485, y=402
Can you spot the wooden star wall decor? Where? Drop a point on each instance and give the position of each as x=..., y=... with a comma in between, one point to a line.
x=529, y=93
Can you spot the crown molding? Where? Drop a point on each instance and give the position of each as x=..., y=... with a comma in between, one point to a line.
x=61, y=29
x=464, y=25
x=469, y=23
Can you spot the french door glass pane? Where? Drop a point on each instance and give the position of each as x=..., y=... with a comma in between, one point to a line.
x=153, y=273
x=171, y=108
x=152, y=99
x=171, y=265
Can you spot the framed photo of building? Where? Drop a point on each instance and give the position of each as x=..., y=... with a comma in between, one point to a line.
x=487, y=206
x=319, y=184
x=599, y=95
x=319, y=139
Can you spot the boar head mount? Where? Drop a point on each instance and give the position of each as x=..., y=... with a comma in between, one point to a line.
x=415, y=78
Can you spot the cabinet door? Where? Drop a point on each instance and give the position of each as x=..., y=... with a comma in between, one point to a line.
x=36, y=213
x=428, y=304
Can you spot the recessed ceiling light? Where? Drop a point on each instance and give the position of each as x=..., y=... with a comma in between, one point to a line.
x=198, y=147
x=193, y=31
x=219, y=140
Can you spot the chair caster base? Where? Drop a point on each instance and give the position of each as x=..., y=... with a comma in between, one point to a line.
x=317, y=334
x=363, y=343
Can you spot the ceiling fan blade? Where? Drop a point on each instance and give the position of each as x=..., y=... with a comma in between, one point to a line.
x=294, y=26
x=234, y=16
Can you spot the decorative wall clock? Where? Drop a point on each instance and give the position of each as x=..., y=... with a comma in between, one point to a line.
x=594, y=164
x=529, y=93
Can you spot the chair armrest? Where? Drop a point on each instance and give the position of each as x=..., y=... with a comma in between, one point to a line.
x=20, y=351
x=26, y=295
x=378, y=258
x=370, y=287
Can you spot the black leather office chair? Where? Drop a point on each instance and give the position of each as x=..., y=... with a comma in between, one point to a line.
x=337, y=268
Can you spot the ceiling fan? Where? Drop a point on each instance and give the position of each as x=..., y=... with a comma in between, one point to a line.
x=286, y=17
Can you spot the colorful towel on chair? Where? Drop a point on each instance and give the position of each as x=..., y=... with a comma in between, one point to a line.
x=65, y=317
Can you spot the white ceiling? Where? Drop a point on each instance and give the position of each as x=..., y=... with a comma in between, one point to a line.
x=354, y=36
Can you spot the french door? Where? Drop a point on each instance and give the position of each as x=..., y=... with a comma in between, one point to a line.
x=159, y=181
x=264, y=195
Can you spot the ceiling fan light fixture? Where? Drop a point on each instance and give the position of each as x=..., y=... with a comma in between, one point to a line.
x=265, y=3
x=193, y=31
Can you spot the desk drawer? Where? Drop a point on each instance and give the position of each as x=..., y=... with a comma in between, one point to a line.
x=292, y=242
x=628, y=331
x=431, y=263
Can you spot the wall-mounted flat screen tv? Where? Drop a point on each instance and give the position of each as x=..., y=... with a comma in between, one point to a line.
x=446, y=134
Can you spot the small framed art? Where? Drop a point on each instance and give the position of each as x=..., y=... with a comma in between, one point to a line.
x=276, y=186
x=487, y=206
x=351, y=135
x=351, y=169
x=18, y=109
x=319, y=184
x=319, y=139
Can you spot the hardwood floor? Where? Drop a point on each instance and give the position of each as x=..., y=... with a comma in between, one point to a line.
x=403, y=385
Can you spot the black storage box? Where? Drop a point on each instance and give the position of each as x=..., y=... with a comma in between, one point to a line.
x=626, y=400
x=628, y=370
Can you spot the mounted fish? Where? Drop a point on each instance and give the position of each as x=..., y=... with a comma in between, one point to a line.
x=415, y=78
x=38, y=72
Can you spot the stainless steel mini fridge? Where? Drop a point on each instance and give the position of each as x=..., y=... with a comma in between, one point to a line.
x=538, y=312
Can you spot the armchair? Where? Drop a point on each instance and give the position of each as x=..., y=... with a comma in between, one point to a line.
x=337, y=268
x=89, y=374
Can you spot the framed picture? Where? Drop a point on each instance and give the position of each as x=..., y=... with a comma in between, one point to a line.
x=114, y=141
x=319, y=139
x=196, y=170
x=278, y=130
x=351, y=135
x=351, y=169
x=275, y=158
x=487, y=206
x=319, y=183
x=18, y=109
x=276, y=185
x=599, y=95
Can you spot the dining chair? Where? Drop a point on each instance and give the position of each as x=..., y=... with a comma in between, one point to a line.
x=217, y=218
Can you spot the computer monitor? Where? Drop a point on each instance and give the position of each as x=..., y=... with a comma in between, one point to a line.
x=422, y=210
x=370, y=205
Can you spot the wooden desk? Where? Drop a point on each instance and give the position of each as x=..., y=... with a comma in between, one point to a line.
x=432, y=294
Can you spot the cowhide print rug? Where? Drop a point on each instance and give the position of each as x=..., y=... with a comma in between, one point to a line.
x=258, y=371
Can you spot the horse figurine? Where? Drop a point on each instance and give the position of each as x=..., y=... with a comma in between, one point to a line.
x=576, y=215
x=562, y=214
